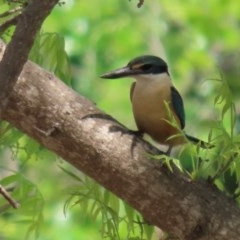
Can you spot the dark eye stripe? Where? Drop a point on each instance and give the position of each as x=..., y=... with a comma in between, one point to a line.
x=146, y=67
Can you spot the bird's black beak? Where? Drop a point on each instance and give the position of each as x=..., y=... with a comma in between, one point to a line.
x=120, y=73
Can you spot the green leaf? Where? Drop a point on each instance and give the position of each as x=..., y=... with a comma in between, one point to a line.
x=49, y=52
x=70, y=173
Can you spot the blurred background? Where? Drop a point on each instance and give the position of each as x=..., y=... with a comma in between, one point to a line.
x=199, y=40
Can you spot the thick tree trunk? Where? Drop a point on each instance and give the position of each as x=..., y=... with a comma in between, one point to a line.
x=70, y=125
x=28, y=23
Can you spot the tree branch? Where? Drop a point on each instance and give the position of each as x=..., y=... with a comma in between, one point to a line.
x=10, y=12
x=70, y=125
x=7, y=196
x=16, y=53
x=10, y=22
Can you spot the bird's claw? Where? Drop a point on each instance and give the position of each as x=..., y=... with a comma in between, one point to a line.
x=136, y=133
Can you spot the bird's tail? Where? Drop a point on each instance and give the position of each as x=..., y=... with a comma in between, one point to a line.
x=199, y=142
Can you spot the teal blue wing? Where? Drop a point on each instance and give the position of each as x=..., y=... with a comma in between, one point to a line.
x=178, y=106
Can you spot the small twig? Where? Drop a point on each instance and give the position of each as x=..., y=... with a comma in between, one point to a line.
x=6, y=195
x=10, y=12
x=8, y=23
x=22, y=2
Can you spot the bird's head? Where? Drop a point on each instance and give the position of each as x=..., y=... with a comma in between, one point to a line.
x=143, y=65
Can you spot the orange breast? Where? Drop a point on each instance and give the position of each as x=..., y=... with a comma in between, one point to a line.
x=150, y=112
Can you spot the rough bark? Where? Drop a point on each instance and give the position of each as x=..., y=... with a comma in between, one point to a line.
x=16, y=54
x=70, y=125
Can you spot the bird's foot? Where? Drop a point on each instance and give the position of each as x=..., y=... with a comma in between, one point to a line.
x=168, y=152
x=136, y=133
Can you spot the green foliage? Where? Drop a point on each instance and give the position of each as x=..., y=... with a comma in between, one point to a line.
x=118, y=219
x=9, y=10
x=49, y=52
x=221, y=164
x=30, y=212
x=14, y=145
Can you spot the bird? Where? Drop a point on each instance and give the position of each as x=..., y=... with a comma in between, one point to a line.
x=158, y=107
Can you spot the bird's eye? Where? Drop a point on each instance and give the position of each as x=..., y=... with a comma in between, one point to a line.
x=146, y=67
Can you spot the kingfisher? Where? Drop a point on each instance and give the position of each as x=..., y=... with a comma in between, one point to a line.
x=156, y=103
